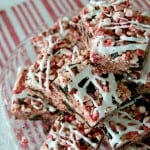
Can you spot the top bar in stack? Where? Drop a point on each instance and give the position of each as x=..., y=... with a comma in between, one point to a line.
x=117, y=34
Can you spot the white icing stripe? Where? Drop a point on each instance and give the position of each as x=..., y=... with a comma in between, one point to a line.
x=133, y=39
x=75, y=50
x=114, y=49
x=42, y=62
x=47, y=74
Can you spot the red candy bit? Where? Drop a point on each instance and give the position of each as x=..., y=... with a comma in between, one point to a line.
x=140, y=52
x=24, y=141
x=108, y=43
x=121, y=127
x=139, y=19
x=75, y=19
x=36, y=65
x=131, y=135
x=54, y=39
x=145, y=128
x=88, y=108
x=81, y=128
x=131, y=124
x=73, y=91
x=139, y=116
x=95, y=115
x=69, y=118
x=20, y=87
x=106, y=9
x=72, y=118
x=112, y=126
x=53, y=63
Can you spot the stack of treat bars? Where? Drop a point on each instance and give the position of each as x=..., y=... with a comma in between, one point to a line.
x=91, y=80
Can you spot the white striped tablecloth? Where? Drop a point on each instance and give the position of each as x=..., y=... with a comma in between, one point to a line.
x=17, y=22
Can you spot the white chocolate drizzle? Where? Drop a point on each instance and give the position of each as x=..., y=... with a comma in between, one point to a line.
x=113, y=49
x=47, y=74
x=98, y=41
x=81, y=93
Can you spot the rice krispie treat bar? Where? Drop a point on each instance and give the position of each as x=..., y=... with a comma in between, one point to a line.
x=54, y=55
x=130, y=123
x=72, y=133
x=117, y=34
x=93, y=95
x=62, y=31
x=25, y=106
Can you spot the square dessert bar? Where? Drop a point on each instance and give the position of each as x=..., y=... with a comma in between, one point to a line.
x=25, y=106
x=130, y=123
x=62, y=31
x=93, y=95
x=117, y=34
x=70, y=132
x=54, y=55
